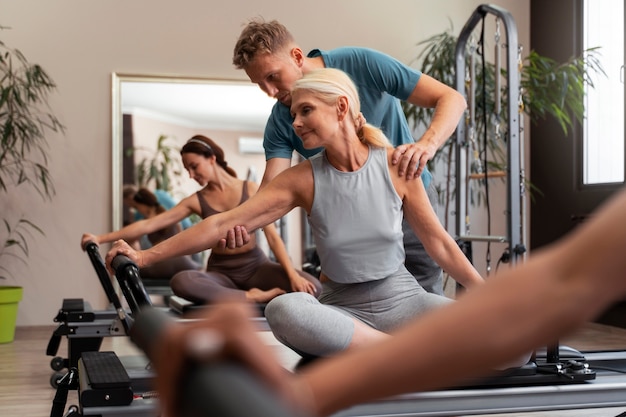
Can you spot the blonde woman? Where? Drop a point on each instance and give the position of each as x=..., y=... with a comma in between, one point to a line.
x=356, y=202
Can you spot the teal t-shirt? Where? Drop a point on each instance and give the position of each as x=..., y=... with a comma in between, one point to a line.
x=382, y=81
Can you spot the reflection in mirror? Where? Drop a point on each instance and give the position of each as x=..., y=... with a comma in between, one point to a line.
x=145, y=108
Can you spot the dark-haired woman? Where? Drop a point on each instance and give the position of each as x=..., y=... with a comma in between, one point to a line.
x=244, y=272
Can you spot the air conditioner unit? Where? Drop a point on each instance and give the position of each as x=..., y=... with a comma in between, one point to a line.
x=251, y=145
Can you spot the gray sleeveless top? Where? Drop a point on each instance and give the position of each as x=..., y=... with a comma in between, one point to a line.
x=356, y=220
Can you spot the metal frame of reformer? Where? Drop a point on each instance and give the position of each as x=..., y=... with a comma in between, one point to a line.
x=513, y=172
x=607, y=390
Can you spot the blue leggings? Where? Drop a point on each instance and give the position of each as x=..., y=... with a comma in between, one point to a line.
x=323, y=327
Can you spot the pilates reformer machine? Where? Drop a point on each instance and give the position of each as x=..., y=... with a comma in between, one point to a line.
x=101, y=378
x=83, y=327
x=112, y=386
x=109, y=387
x=116, y=386
x=466, y=145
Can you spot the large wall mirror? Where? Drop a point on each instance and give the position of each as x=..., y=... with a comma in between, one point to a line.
x=231, y=112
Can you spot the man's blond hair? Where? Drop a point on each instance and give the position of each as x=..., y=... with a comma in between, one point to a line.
x=260, y=37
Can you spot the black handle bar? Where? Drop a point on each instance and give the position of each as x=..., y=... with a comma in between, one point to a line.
x=93, y=252
x=127, y=274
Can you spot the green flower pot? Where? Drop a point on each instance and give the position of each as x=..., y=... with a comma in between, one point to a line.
x=9, y=298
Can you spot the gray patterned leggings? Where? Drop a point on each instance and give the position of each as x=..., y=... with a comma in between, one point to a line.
x=323, y=327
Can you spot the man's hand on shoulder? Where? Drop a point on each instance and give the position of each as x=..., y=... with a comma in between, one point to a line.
x=412, y=158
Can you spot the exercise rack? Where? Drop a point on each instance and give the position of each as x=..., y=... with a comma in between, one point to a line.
x=514, y=160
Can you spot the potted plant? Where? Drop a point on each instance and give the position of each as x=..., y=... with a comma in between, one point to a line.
x=548, y=89
x=24, y=121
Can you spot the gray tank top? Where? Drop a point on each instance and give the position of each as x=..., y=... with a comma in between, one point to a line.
x=356, y=220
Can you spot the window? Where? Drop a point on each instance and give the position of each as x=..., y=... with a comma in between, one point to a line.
x=603, y=133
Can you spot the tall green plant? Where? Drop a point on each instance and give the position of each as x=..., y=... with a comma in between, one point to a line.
x=548, y=89
x=25, y=120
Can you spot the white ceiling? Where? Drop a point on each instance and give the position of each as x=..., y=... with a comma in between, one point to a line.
x=225, y=105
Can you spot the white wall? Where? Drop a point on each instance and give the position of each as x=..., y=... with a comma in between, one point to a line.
x=80, y=43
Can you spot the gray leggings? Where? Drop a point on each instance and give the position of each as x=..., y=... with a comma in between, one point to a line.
x=323, y=327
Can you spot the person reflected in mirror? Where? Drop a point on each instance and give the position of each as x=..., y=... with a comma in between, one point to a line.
x=164, y=198
x=527, y=306
x=272, y=59
x=132, y=214
x=245, y=273
x=146, y=205
x=355, y=200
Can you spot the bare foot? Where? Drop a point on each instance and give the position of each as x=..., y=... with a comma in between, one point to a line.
x=259, y=296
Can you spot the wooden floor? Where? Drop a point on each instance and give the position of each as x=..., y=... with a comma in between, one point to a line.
x=25, y=370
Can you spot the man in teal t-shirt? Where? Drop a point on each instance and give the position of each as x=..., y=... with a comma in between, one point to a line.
x=271, y=59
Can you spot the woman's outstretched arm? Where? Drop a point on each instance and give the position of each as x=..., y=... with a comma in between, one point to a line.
x=269, y=204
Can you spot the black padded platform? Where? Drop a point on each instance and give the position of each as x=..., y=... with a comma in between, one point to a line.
x=103, y=380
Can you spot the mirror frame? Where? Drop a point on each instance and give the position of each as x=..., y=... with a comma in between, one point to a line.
x=117, y=150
